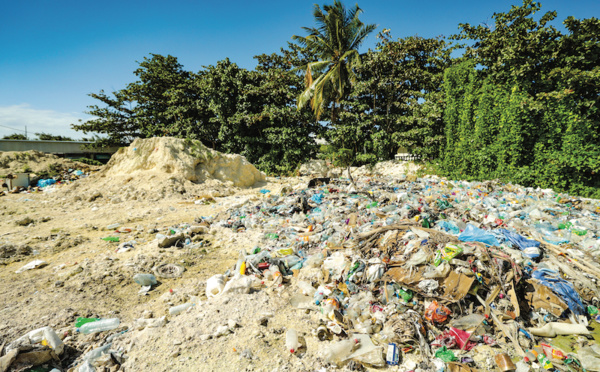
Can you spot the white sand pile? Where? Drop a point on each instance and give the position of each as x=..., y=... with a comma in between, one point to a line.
x=187, y=159
x=163, y=167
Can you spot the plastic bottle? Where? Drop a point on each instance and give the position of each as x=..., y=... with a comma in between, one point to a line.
x=100, y=325
x=318, y=296
x=241, y=261
x=291, y=340
x=277, y=277
x=255, y=259
x=144, y=279
x=180, y=308
x=291, y=261
x=338, y=352
x=81, y=321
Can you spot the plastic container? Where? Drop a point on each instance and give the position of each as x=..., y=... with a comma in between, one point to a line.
x=291, y=341
x=180, y=308
x=53, y=340
x=144, y=279
x=215, y=285
x=100, y=325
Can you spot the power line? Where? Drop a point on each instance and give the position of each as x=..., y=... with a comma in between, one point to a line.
x=20, y=130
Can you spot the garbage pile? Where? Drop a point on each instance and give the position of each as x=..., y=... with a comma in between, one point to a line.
x=65, y=176
x=404, y=274
x=431, y=274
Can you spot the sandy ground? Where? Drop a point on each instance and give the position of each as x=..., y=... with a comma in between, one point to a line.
x=85, y=277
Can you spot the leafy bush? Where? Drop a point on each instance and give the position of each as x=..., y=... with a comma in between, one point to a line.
x=89, y=161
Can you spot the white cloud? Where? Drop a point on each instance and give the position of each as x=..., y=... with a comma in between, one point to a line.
x=37, y=121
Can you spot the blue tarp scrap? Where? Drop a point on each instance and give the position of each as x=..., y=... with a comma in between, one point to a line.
x=474, y=234
x=561, y=288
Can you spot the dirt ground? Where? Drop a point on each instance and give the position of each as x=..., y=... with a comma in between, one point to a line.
x=86, y=277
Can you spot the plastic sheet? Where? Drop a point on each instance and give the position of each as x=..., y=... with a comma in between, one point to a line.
x=474, y=234
x=562, y=288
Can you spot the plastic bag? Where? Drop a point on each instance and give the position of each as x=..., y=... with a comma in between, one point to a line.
x=447, y=253
x=454, y=338
x=474, y=234
x=446, y=355
x=437, y=313
x=518, y=240
x=448, y=226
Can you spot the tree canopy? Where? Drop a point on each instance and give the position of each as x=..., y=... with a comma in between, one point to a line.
x=515, y=100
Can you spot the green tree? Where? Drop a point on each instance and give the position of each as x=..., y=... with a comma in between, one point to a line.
x=145, y=108
x=397, y=101
x=285, y=134
x=529, y=112
x=50, y=137
x=114, y=119
x=335, y=41
x=15, y=136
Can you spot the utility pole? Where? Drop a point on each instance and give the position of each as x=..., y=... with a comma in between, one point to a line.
x=26, y=132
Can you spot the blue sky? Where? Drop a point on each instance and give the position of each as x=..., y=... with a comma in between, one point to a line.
x=53, y=53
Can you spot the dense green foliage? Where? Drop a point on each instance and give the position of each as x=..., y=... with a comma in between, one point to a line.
x=523, y=106
x=50, y=137
x=520, y=104
x=15, y=136
x=228, y=108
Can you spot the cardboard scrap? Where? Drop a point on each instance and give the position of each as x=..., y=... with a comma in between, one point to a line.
x=402, y=275
x=8, y=359
x=35, y=358
x=460, y=367
x=456, y=286
x=542, y=297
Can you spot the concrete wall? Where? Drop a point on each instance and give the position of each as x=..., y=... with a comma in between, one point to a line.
x=54, y=147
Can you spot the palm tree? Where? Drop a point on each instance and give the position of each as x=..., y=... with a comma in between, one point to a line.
x=335, y=40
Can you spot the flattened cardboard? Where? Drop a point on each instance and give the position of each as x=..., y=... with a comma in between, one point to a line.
x=459, y=367
x=456, y=286
x=402, y=275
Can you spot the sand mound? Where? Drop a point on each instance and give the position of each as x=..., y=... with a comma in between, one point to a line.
x=164, y=167
x=187, y=159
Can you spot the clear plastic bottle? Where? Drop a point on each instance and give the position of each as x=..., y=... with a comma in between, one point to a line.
x=277, y=277
x=291, y=341
x=100, y=325
x=180, y=308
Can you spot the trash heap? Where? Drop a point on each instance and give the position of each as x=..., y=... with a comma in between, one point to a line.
x=430, y=274
x=402, y=274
